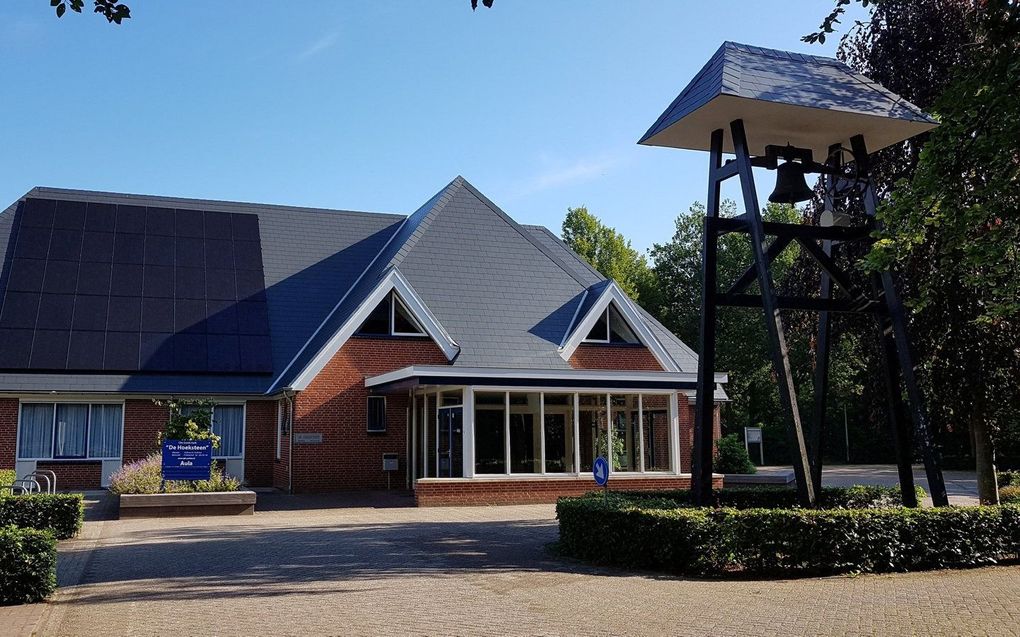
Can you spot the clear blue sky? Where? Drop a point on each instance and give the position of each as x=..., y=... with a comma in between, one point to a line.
x=372, y=105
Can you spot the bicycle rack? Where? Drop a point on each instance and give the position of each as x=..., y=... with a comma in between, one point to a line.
x=49, y=476
x=26, y=485
x=51, y=479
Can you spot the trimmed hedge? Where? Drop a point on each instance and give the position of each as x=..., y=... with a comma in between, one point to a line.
x=856, y=497
x=7, y=476
x=28, y=565
x=61, y=513
x=705, y=541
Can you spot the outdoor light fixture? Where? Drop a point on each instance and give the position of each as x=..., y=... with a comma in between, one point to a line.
x=760, y=106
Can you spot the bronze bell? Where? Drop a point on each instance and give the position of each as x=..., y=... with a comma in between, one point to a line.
x=791, y=187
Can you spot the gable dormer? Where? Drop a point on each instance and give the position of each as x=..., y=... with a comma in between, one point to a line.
x=607, y=316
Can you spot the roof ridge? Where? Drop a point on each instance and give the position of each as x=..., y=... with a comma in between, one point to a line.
x=429, y=211
x=168, y=200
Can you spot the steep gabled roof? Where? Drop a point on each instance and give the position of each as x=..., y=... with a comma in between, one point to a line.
x=492, y=293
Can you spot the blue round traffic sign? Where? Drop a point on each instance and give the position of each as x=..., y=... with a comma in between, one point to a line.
x=601, y=471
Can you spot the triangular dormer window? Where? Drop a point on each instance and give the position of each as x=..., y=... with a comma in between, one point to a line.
x=391, y=318
x=611, y=327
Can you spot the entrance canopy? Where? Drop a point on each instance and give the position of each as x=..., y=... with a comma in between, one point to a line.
x=418, y=375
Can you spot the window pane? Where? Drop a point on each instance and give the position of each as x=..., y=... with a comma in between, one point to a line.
x=36, y=437
x=599, y=331
x=228, y=424
x=378, y=322
x=451, y=398
x=525, y=434
x=72, y=425
x=376, y=413
x=104, y=431
x=559, y=433
x=656, y=432
x=625, y=433
x=619, y=331
x=592, y=428
x=403, y=322
x=490, y=411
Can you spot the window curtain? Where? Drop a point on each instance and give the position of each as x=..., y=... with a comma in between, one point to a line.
x=228, y=424
x=105, y=431
x=36, y=437
x=72, y=425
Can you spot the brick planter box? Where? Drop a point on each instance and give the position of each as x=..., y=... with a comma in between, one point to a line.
x=165, y=505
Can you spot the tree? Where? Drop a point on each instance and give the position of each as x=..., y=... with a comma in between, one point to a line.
x=951, y=207
x=611, y=254
x=113, y=11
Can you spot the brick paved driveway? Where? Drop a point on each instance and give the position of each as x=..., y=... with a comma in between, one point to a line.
x=310, y=569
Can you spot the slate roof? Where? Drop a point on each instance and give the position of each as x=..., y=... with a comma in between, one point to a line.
x=785, y=78
x=506, y=293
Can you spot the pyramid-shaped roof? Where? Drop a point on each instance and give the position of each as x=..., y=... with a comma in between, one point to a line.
x=784, y=97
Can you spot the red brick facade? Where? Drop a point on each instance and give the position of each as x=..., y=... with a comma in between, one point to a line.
x=259, y=442
x=74, y=474
x=8, y=431
x=334, y=405
x=143, y=420
x=478, y=491
x=621, y=357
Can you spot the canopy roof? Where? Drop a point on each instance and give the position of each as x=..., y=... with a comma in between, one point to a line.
x=785, y=98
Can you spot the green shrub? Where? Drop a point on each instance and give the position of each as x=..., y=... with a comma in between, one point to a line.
x=1008, y=478
x=731, y=456
x=61, y=513
x=1010, y=494
x=144, y=476
x=7, y=476
x=785, y=541
x=28, y=565
x=855, y=497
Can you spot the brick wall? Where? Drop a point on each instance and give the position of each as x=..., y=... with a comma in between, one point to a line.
x=623, y=357
x=334, y=404
x=259, y=442
x=143, y=420
x=475, y=491
x=687, y=432
x=8, y=431
x=74, y=474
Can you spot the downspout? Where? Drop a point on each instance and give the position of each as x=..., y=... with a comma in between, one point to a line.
x=288, y=397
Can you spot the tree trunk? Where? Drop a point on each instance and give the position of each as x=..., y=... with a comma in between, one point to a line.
x=984, y=456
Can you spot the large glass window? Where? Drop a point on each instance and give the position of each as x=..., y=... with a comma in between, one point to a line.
x=525, y=433
x=228, y=424
x=105, y=431
x=69, y=430
x=625, y=432
x=36, y=436
x=559, y=433
x=490, y=426
x=655, y=425
x=592, y=431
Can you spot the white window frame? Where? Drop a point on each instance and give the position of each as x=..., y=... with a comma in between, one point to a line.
x=605, y=341
x=53, y=433
x=394, y=299
x=673, y=423
x=368, y=411
x=244, y=426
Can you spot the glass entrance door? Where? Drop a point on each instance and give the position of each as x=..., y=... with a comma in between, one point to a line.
x=450, y=442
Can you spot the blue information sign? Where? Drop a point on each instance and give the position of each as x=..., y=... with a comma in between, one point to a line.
x=601, y=471
x=187, y=459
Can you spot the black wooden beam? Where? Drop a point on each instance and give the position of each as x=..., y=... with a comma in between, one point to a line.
x=797, y=230
x=923, y=433
x=704, y=406
x=805, y=303
x=806, y=491
x=747, y=278
x=829, y=267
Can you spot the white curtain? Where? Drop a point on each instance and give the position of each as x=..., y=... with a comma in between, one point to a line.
x=104, y=431
x=228, y=424
x=72, y=424
x=36, y=437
